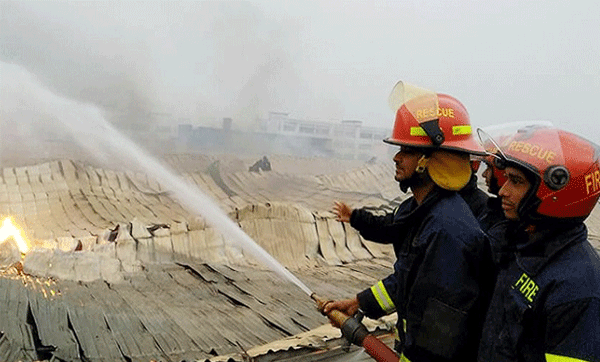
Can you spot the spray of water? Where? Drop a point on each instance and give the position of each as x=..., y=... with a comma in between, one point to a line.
x=101, y=139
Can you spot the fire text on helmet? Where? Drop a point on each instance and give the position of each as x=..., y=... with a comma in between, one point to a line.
x=592, y=182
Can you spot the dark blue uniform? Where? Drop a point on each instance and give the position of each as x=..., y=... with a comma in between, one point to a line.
x=441, y=282
x=491, y=213
x=378, y=228
x=546, y=303
x=475, y=197
x=381, y=228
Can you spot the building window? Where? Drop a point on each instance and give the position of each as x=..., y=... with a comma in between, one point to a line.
x=307, y=128
x=344, y=144
x=289, y=126
x=323, y=130
x=349, y=133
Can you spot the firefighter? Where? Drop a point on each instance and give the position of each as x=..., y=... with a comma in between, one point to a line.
x=472, y=194
x=492, y=212
x=440, y=284
x=491, y=181
x=546, y=303
x=476, y=198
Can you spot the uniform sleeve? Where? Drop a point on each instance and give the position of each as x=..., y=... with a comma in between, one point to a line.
x=372, y=227
x=573, y=332
x=376, y=301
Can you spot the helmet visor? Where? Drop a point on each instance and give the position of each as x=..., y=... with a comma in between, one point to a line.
x=423, y=106
x=420, y=102
x=534, y=146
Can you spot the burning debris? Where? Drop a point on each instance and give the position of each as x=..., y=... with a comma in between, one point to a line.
x=15, y=269
x=54, y=259
x=45, y=286
x=9, y=230
x=13, y=244
x=14, y=247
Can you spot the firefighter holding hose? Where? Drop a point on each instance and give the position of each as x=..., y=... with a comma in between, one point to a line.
x=442, y=279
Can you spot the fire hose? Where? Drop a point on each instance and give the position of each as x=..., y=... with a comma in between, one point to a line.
x=355, y=332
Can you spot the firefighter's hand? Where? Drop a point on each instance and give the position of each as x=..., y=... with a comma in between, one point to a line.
x=347, y=306
x=342, y=211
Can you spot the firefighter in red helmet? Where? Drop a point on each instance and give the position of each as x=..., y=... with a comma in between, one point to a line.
x=546, y=301
x=491, y=181
x=441, y=281
x=492, y=212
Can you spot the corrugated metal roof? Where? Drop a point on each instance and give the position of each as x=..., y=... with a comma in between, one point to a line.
x=168, y=312
x=133, y=276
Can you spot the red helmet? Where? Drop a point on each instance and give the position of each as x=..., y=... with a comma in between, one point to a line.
x=475, y=164
x=429, y=120
x=497, y=174
x=566, y=167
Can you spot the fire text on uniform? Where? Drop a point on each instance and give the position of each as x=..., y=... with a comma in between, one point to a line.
x=526, y=286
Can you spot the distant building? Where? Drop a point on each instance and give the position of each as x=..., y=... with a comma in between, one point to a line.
x=280, y=134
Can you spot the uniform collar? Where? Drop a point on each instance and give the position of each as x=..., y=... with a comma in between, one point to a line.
x=470, y=186
x=411, y=214
x=542, y=246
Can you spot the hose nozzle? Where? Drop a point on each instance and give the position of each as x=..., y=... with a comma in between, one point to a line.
x=321, y=303
x=355, y=332
x=336, y=317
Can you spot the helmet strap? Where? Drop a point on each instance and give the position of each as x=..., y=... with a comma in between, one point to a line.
x=422, y=164
x=494, y=188
x=417, y=178
x=419, y=173
x=433, y=130
x=530, y=202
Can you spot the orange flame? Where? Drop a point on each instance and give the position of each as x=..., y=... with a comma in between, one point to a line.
x=10, y=230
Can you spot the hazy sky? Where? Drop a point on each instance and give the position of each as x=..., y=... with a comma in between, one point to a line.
x=509, y=60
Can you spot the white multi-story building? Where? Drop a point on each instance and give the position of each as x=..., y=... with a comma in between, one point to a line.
x=346, y=139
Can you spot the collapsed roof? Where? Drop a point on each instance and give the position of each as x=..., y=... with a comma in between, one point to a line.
x=121, y=271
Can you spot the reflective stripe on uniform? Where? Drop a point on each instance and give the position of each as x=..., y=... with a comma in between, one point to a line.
x=403, y=358
x=383, y=298
x=555, y=358
x=461, y=130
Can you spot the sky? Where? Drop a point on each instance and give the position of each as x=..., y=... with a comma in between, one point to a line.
x=196, y=62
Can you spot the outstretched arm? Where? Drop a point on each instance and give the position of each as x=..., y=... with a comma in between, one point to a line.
x=342, y=211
